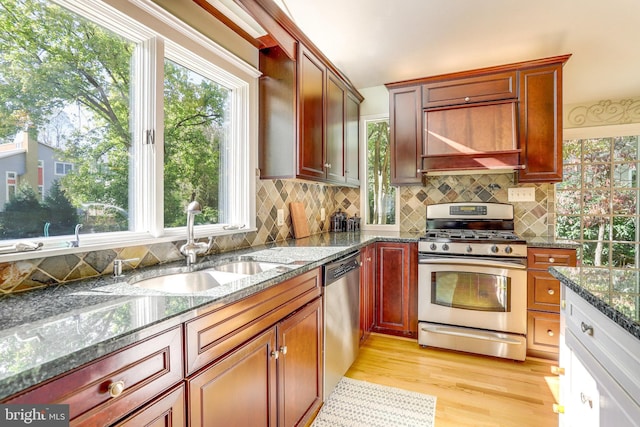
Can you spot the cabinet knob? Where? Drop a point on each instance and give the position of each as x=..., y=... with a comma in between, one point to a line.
x=275, y=354
x=467, y=99
x=418, y=170
x=587, y=329
x=551, y=291
x=327, y=165
x=552, y=260
x=283, y=350
x=116, y=388
x=550, y=332
x=557, y=370
x=558, y=409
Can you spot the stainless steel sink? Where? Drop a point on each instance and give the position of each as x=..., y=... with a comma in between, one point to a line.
x=187, y=283
x=250, y=267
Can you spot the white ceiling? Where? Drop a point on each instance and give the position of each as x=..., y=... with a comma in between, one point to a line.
x=381, y=41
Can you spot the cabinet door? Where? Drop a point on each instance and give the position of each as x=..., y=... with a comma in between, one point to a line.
x=311, y=94
x=300, y=365
x=239, y=390
x=352, y=141
x=405, y=121
x=367, y=291
x=397, y=290
x=335, y=131
x=541, y=124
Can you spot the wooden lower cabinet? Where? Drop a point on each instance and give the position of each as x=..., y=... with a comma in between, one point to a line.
x=367, y=290
x=273, y=379
x=396, y=299
x=543, y=300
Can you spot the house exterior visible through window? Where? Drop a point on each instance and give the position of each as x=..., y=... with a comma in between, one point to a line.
x=94, y=151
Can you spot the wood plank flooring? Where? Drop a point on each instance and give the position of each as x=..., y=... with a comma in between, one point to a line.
x=471, y=390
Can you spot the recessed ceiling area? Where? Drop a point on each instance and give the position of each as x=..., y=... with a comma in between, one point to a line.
x=380, y=41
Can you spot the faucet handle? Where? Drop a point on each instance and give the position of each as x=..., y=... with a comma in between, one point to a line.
x=118, y=263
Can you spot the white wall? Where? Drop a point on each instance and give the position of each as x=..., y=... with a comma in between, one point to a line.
x=376, y=101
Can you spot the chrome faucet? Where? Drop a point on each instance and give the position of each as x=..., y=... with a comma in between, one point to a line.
x=192, y=248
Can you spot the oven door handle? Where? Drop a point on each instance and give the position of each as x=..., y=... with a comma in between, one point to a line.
x=473, y=261
x=481, y=335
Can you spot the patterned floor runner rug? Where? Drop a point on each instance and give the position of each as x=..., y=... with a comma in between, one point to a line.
x=355, y=403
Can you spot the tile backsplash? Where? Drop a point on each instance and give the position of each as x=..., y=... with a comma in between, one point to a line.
x=532, y=219
x=271, y=195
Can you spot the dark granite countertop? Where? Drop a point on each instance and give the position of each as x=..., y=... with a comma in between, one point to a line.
x=550, y=242
x=616, y=293
x=50, y=331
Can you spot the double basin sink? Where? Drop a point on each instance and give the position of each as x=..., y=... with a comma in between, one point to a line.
x=207, y=278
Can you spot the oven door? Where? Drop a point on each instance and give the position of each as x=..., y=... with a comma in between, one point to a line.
x=473, y=292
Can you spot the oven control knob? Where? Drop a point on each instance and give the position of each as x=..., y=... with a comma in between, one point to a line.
x=508, y=249
x=445, y=247
x=494, y=249
x=469, y=248
x=433, y=247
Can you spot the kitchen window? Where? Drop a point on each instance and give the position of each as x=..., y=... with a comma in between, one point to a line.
x=142, y=116
x=380, y=198
x=597, y=204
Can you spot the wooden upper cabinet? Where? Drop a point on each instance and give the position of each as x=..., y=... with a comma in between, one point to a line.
x=335, y=129
x=491, y=87
x=504, y=117
x=405, y=120
x=311, y=96
x=309, y=120
x=541, y=124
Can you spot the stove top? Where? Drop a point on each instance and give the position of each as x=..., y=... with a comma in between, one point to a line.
x=472, y=229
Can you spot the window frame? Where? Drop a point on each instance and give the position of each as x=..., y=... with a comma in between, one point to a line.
x=158, y=32
x=364, y=199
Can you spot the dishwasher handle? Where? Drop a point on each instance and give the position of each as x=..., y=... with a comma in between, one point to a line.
x=340, y=268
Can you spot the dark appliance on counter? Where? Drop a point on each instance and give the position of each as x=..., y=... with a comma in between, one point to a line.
x=340, y=222
x=472, y=280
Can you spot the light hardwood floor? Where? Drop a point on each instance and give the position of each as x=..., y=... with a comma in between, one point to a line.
x=471, y=390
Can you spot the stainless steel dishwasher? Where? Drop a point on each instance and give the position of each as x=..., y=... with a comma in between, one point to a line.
x=341, y=300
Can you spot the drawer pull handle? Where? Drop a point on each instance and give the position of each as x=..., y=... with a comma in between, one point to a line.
x=587, y=329
x=467, y=99
x=586, y=399
x=550, y=332
x=552, y=260
x=116, y=389
x=551, y=291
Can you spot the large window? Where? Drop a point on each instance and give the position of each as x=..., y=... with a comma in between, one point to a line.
x=140, y=123
x=381, y=198
x=597, y=203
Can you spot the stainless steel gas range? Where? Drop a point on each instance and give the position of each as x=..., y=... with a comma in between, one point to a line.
x=472, y=280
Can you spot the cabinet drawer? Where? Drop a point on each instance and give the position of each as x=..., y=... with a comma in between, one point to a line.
x=543, y=331
x=214, y=334
x=616, y=349
x=146, y=369
x=469, y=90
x=167, y=410
x=544, y=258
x=543, y=291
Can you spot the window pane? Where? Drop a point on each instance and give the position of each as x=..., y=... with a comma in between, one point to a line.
x=625, y=148
x=595, y=253
x=597, y=175
x=595, y=228
x=572, y=177
x=624, y=255
x=596, y=202
x=572, y=151
x=381, y=196
x=596, y=150
x=568, y=202
x=68, y=81
x=624, y=202
x=625, y=175
x=624, y=228
x=196, y=146
x=568, y=227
